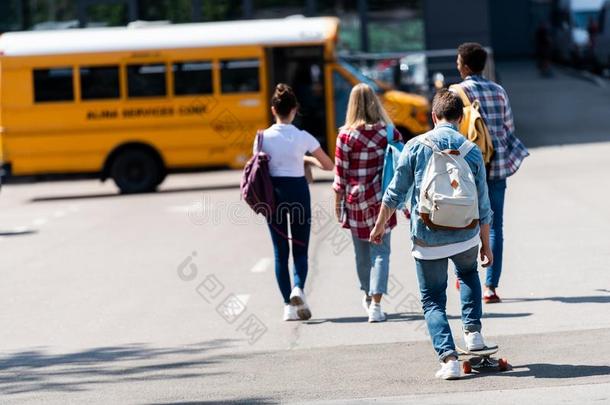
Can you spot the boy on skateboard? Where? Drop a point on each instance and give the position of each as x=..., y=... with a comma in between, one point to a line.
x=438, y=237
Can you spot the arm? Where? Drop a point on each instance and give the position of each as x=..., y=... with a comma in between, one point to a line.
x=395, y=194
x=341, y=168
x=320, y=159
x=485, y=212
x=487, y=257
x=339, y=205
x=509, y=123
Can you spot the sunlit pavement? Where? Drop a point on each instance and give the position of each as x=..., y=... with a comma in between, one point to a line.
x=171, y=297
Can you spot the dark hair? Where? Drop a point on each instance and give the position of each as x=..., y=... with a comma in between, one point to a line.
x=447, y=105
x=283, y=99
x=473, y=55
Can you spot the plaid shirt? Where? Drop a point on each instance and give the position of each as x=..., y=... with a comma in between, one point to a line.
x=509, y=151
x=359, y=158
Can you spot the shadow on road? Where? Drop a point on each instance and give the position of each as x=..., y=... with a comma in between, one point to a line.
x=18, y=233
x=241, y=401
x=37, y=371
x=585, y=299
x=545, y=370
x=218, y=187
x=403, y=317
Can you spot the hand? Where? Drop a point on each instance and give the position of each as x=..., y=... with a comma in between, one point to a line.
x=377, y=234
x=487, y=257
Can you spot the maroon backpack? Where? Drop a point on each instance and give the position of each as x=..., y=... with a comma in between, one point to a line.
x=256, y=187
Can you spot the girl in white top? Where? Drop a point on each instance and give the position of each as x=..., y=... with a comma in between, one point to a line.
x=287, y=146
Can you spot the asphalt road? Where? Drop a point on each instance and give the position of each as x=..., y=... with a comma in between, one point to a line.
x=171, y=297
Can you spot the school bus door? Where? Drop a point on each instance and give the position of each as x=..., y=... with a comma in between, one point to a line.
x=303, y=69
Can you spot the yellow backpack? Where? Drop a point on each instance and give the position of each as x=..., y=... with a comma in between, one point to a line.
x=473, y=126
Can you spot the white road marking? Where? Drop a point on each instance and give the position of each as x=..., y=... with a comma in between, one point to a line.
x=262, y=265
x=59, y=214
x=182, y=209
x=244, y=298
x=39, y=221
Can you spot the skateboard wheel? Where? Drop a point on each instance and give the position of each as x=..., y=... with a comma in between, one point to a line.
x=466, y=367
x=457, y=284
x=503, y=364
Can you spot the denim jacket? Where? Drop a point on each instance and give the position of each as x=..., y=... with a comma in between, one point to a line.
x=408, y=178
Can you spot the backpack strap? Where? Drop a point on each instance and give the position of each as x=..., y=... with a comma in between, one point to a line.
x=457, y=89
x=389, y=130
x=259, y=141
x=465, y=148
x=427, y=142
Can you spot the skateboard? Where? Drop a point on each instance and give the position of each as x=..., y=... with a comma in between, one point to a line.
x=481, y=360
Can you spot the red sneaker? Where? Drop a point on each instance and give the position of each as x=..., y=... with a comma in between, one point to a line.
x=491, y=297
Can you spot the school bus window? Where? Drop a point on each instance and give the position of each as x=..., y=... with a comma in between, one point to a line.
x=99, y=82
x=239, y=76
x=146, y=80
x=194, y=77
x=53, y=85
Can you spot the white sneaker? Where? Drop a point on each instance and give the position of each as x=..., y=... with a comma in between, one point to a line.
x=297, y=298
x=290, y=313
x=474, y=340
x=449, y=370
x=366, y=302
x=375, y=313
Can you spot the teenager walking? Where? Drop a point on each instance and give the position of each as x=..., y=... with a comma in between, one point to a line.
x=509, y=151
x=359, y=158
x=287, y=146
x=434, y=243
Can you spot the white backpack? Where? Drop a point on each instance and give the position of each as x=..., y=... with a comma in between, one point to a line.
x=448, y=197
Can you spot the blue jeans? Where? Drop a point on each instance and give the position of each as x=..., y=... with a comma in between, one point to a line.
x=373, y=264
x=497, y=190
x=432, y=277
x=293, y=207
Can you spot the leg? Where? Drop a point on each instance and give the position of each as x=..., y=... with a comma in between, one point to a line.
x=432, y=277
x=362, y=250
x=278, y=227
x=380, y=260
x=497, y=189
x=470, y=289
x=300, y=228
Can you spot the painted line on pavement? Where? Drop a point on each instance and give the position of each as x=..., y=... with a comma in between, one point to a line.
x=262, y=265
x=244, y=298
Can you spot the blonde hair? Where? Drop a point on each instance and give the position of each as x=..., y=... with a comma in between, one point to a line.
x=364, y=108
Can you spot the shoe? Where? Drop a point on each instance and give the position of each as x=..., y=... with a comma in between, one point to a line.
x=297, y=298
x=366, y=303
x=290, y=313
x=474, y=341
x=449, y=370
x=375, y=313
x=490, y=297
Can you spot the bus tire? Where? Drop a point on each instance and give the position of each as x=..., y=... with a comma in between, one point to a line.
x=136, y=170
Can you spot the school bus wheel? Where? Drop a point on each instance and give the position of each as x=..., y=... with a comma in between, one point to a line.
x=136, y=170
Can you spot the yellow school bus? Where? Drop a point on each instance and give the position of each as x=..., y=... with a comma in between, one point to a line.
x=136, y=103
